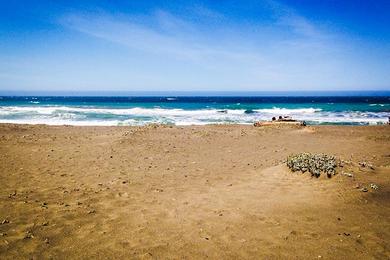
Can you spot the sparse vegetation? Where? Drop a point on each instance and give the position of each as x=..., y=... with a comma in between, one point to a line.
x=313, y=163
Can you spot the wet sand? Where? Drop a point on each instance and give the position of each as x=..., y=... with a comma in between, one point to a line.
x=196, y=192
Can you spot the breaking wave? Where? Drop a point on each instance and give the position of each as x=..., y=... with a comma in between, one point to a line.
x=89, y=115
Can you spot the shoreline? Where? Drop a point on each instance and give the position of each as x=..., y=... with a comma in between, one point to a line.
x=216, y=191
x=141, y=110
x=272, y=124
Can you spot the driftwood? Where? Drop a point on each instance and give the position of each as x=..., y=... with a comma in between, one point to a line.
x=279, y=122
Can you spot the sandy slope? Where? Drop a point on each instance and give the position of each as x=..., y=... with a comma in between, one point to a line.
x=220, y=192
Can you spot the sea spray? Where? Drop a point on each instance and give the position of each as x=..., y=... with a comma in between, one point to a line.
x=191, y=110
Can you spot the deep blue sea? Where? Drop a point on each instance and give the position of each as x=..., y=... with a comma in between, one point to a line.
x=192, y=110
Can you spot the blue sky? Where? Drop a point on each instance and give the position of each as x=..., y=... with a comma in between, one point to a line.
x=170, y=45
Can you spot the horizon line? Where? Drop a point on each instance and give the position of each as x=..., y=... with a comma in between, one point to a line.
x=195, y=93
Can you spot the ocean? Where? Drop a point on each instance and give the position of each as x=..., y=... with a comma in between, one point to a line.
x=192, y=110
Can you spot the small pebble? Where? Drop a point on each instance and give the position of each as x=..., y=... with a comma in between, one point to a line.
x=28, y=235
x=348, y=174
x=374, y=186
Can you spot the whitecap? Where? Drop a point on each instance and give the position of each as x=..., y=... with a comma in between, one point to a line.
x=57, y=115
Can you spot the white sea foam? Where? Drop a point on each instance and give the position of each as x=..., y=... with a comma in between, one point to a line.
x=61, y=122
x=60, y=115
x=286, y=111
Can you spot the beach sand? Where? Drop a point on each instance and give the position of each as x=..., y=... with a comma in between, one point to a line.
x=194, y=192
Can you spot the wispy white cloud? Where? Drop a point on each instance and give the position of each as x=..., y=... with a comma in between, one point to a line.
x=168, y=35
x=289, y=49
x=164, y=33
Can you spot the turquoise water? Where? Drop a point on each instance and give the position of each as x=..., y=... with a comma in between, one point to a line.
x=192, y=110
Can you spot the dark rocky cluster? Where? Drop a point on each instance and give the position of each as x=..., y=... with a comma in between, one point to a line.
x=313, y=163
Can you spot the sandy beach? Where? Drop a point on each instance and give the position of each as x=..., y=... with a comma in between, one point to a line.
x=194, y=192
